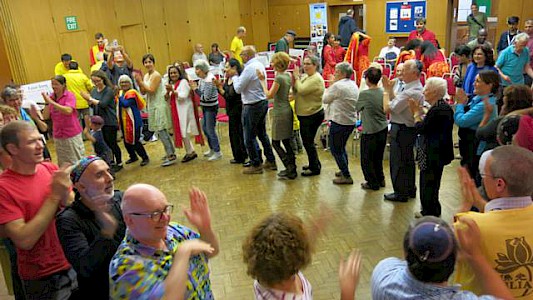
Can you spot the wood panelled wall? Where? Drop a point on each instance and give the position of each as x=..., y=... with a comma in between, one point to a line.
x=506, y=8
x=166, y=28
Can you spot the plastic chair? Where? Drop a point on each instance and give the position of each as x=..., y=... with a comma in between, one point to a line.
x=450, y=86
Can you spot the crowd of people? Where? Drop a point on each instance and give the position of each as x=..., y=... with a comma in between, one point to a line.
x=125, y=242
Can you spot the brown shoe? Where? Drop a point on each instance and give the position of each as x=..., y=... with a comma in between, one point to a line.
x=270, y=165
x=343, y=180
x=253, y=170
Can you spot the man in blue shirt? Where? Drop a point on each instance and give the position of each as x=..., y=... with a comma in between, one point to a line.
x=513, y=62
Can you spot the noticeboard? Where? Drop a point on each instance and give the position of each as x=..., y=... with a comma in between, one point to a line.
x=401, y=15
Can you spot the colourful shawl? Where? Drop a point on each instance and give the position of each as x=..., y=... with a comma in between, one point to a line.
x=357, y=55
x=131, y=116
x=178, y=139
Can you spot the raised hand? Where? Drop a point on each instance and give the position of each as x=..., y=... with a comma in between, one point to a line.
x=61, y=183
x=46, y=98
x=349, y=271
x=198, y=213
x=469, y=238
x=460, y=96
x=34, y=112
x=387, y=83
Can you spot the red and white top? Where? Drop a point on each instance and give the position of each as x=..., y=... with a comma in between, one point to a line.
x=263, y=293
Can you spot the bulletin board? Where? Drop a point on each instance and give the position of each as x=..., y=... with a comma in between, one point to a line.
x=400, y=16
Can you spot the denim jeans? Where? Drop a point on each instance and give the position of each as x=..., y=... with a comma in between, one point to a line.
x=253, y=120
x=166, y=140
x=209, y=123
x=338, y=137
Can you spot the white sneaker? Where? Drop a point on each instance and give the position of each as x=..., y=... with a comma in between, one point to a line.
x=215, y=156
x=209, y=153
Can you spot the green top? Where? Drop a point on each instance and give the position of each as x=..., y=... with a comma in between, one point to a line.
x=370, y=104
x=474, y=27
x=281, y=99
x=282, y=45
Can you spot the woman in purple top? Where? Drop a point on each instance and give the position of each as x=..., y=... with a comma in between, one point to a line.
x=61, y=108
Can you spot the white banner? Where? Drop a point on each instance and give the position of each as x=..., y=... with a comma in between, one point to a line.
x=31, y=93
x=318, y=12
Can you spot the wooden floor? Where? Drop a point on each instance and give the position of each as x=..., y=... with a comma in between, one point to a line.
x=362, y=219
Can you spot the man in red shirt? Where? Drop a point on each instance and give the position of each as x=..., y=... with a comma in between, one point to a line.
x=31, y=192
x=422, y=33
x=96, y=53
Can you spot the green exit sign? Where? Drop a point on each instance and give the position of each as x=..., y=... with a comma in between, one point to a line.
x=72, y=23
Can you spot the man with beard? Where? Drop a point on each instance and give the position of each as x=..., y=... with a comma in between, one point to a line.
x=92, y=228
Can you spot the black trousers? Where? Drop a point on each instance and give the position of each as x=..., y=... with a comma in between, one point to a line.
x=308, y=128
x=236, y=135
x=372, y=151
x=429, y=190
x=110, y=138
x=402, y=160
x=286, y=155
x=134, y=149
x=468, y=144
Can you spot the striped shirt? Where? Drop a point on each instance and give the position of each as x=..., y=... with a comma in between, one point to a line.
x=207, y=91
x=264, y=293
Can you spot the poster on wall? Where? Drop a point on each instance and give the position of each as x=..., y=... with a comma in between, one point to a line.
x=318, y=13
x=400, y=16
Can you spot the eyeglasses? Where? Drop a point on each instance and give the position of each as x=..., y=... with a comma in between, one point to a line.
x=483, y=175
x=156, y=215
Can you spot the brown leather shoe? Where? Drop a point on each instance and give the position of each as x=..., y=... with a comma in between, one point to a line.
x=253, y=170
x=270, y=165
x=343, y=180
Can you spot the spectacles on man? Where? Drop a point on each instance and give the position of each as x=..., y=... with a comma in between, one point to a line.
x=483, y=175
x=158, y=214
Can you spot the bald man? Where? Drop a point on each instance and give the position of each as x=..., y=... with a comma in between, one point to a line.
x=198, y=54
x=92, y=228
x=158, y=259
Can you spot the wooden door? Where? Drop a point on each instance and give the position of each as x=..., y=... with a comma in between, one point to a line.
x=134, y=43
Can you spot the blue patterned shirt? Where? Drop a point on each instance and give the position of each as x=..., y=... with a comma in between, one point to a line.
x=138, y=271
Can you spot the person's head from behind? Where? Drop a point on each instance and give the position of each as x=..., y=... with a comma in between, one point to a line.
x=72, y=65
x=516, y=97
x=512, y=23
x=350, y=12
x=391, y=42
x=372, y=76
x=280, y=61
x=175, y=73
x=507, y=172
x=486, y=82
x=23, y=142
x=481, y=36
x=8, y=115
x=92, y=179
x=276, y=249
x=248, y=52
x=11, y=97
x=430, y=250
x=66, y=59
x=290, y=35
x=420, y=24
x=413, y=44
x=125, y=83
x=241, y=32
x=146, y=213
x=99, y=37
x=411, y=70
x=428, y=49
x=198, y=48
x=520, y=42
x=463, y=52
x=343, y=70
x=483, y=56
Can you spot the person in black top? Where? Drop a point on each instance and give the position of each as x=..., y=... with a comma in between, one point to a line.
x=435, y=143
x=507, y=37
x=234, y=112
x=92, y=228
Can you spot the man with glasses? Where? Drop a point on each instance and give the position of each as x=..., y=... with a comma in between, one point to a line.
x=505, y=220
x=158, y=259
x=92, y=228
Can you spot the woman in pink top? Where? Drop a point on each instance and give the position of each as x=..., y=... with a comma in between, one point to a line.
x=61, y=108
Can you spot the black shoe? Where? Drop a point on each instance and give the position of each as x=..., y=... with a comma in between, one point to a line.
x=234, y=161
x=367, y=186
x=116, y=168
x=131, y=160
x=395, y=198
x=309, y=172
x=282, y=173
x=145, y=162
x=382, y=184
x=306, y=167
x=412, y=194
x=247, y=164
x=189, y=157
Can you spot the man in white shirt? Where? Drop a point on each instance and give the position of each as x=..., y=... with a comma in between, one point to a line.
x=390, y=52
x=198, y=54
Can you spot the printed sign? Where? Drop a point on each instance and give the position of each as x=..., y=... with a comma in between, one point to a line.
x=72, y=23
x=31, y=93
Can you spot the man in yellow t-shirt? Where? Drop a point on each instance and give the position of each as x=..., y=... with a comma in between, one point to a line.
x=504, y=221
x=62, y=67
x=237, y=44
x=80, y=85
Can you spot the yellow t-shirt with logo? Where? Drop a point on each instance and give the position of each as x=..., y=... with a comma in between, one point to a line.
x=236, y=48
x=507, y=243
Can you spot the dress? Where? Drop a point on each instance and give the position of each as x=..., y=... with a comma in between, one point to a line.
x=158, y=111
x=339, y=54
x=138, y=271
x=184, y=114
x=87, y=249
x=282, y=112
x=357, y=54
x=329, y=62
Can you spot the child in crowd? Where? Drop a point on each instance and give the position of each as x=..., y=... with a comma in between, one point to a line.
x=278, y=248
x=95, y=135
x=296, y=139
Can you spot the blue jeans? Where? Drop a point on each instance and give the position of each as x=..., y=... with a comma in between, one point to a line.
x=253, y=120
x=208, y=125
x=338, y=137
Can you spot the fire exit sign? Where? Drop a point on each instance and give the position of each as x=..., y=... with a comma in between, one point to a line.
x=72, y=23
